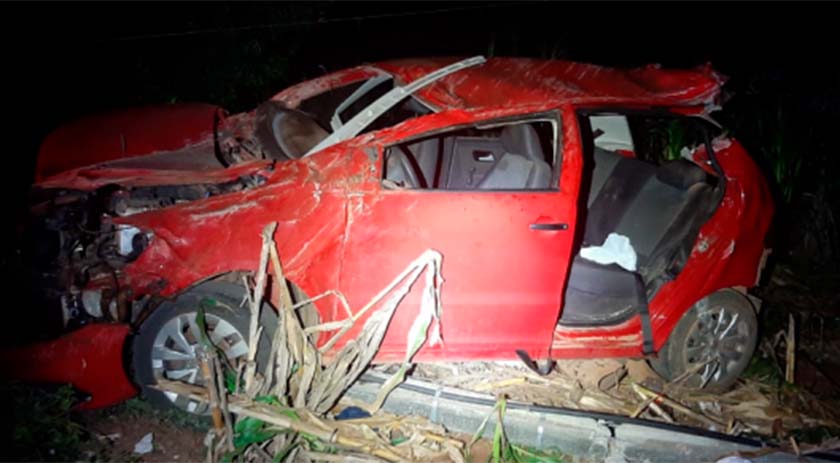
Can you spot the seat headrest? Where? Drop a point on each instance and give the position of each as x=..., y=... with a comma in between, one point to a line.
x=522, y=139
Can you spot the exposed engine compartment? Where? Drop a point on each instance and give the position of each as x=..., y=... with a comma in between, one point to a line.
x=75, y=251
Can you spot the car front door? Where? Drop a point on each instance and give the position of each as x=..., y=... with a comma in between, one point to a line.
x=506, y=251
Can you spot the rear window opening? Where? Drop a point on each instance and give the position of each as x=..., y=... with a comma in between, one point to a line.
x=661, y=139
x=653, y=138
x=514, y=156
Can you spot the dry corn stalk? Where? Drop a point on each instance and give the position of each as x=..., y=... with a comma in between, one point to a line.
x=307, y=388
x=660, y=398
x=649, y=403
x=254, y=303
x=790, y=350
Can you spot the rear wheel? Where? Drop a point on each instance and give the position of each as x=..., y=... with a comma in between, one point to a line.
x=712, y=344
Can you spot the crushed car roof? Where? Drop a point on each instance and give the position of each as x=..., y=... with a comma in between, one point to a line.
x=522, y=81
x=504, y=81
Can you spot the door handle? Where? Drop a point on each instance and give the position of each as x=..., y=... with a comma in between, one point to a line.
x=549, y=226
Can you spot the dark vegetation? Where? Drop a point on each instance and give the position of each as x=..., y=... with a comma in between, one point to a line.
x=43, y=425
x=66, y=61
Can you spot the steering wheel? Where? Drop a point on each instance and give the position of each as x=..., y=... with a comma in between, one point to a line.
x=285, y=133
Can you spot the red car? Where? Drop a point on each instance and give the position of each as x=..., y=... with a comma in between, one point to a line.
x=581, y=212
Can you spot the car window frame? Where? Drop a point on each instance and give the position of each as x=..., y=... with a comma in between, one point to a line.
x=553, y=116
x=710, y=127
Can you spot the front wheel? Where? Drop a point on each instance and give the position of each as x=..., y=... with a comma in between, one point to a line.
x=166, y=344
x=712, y=344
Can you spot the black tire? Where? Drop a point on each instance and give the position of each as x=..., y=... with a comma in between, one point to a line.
x=228, y=297
x=691, y=335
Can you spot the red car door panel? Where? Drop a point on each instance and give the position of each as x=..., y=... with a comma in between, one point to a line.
x=503, y=278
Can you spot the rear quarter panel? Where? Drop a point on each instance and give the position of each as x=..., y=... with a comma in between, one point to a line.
x=726, y=254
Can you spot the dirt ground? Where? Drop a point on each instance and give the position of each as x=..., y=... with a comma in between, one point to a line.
x=175, y=437
x=761, y=403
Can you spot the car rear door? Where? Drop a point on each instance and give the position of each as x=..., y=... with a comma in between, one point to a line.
x=505, y=253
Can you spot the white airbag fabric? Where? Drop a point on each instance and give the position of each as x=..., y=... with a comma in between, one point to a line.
x=615, y=250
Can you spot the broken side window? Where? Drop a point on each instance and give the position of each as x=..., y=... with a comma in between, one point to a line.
x=663, y=138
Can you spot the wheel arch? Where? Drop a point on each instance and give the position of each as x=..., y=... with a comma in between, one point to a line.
x=139, y=346
x=662, y=362
x=229, y=283
x=741, y=291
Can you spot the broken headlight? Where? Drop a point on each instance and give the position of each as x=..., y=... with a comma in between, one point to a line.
x=131, y=241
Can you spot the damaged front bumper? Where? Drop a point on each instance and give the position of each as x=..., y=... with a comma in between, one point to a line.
x=90, y=358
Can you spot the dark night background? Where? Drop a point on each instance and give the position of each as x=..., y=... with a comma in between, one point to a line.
x=63, y=61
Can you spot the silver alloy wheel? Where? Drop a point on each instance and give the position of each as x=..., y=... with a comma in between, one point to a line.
x=174, y=352
x=716, y=342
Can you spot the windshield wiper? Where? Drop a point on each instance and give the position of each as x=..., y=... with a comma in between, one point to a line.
x=387, y=101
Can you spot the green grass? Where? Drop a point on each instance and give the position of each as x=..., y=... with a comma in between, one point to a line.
x=677, y=140
x=784, y=151
x=763, y=370
x=43, y=425
x=783, y=142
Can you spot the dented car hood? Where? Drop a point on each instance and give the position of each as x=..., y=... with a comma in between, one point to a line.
x=124, y=134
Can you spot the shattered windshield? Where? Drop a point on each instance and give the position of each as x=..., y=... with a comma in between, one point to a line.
x=341, y=114
x=325, y=106
x=385, y=103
